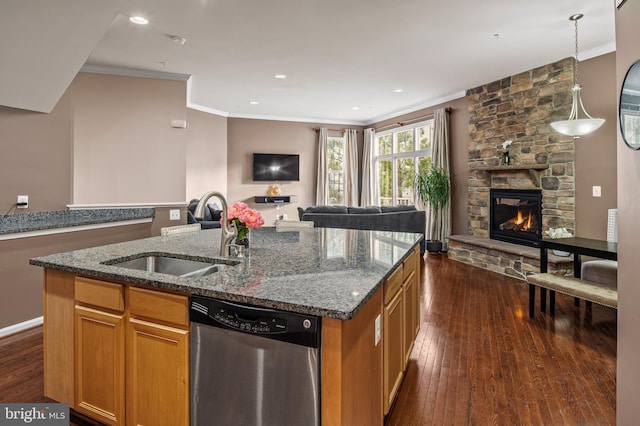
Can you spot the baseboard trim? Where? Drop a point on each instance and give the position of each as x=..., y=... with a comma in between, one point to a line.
x=22, y=326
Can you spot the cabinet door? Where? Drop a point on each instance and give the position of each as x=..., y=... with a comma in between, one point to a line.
x=393, y=337
x=410, y=299
x=99, y=365
x=157, y=374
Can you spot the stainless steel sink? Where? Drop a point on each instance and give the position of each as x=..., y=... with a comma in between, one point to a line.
x=171, y=265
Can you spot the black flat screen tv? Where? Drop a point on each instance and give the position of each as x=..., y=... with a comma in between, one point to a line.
x=276, y=167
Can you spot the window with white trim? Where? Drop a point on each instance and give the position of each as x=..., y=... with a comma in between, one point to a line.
x=399, y=154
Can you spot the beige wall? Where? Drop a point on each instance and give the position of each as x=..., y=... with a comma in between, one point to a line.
x=125, y=150
x=36, y=157
x=628, y=366
x=595, y=154
x=459, y=126
x=21, y=283
x=206, y=167
x=273, y=137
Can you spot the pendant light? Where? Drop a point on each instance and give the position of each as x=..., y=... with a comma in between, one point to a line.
x=579, y=122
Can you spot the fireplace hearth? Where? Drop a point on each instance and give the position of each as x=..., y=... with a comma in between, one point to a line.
x=515, y=216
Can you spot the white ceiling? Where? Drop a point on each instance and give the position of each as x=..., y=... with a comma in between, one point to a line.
x=337, y=54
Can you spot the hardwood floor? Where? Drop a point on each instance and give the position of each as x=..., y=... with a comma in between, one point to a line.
x=478, y=358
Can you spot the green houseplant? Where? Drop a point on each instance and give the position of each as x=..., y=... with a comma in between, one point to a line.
x=433, y=188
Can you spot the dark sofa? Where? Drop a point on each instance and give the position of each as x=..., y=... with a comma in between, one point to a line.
x=211, y=216
x=385, y=218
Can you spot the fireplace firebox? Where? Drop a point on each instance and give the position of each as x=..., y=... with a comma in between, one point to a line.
x=515, y=216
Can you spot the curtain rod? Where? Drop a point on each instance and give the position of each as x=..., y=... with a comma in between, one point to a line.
x=410, y=120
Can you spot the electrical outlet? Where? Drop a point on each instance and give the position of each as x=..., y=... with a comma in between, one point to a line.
x=597, y=191
x=23, y=202
x=284, y=216
x=174, y=214
x=377, y=330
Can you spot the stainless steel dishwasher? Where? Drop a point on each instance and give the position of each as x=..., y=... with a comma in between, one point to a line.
x=253, y=366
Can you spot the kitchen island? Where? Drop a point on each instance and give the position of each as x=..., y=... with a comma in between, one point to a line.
x=355, y=280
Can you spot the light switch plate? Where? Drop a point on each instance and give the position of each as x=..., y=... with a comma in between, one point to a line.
x=597, y=191
x=377, y=330
x=174, y=214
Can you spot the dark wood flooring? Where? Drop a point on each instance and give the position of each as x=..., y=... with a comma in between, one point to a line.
x=478, y=358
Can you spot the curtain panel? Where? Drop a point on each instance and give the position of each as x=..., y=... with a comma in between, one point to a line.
x=322, y=187
x=351, y=167
x=368, y=196
x=439, y=224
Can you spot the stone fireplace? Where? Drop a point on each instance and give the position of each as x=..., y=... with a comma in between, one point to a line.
x=518, y=108
x=515, y=216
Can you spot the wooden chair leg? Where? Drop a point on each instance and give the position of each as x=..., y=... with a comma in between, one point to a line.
x=576, y=301
x=543, y=299
x=552, y=302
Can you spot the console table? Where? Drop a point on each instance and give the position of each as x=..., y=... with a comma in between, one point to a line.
x=578, y=246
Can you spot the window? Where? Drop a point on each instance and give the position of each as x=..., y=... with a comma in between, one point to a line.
x=400, y=154
x=335, y=162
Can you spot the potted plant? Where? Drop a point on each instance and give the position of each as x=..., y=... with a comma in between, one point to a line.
x=433, y=188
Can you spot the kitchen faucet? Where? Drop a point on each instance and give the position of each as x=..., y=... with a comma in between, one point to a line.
x=228, y=234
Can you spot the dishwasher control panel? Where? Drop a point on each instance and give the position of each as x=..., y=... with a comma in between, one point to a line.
x=268, y=323
x=260, y=325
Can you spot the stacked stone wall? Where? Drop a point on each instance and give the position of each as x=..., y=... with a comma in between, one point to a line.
x=520, y=108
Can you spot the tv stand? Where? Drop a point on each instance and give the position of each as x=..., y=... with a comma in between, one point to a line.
x=280, y=199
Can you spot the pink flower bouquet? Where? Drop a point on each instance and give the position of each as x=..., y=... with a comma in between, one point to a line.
x=244, y=218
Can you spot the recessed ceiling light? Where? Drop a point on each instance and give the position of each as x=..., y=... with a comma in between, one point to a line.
x=179, y=40
x=398, y=90
x=355, y=108
x=254, y=102
x=139, y=20
x=280, y=76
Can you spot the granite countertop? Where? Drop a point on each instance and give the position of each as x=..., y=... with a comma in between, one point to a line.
x=25, y=222
x=318, y=271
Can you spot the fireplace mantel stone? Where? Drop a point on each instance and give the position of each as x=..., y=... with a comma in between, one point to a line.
x=535, y=170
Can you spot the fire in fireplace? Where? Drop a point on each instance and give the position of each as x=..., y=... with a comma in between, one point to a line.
x=516, y=216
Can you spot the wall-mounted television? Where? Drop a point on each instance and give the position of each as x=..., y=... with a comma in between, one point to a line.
x=276, y=167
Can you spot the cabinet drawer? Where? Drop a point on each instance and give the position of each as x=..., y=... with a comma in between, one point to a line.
x=393, y=284
x=98, y=293
x=411, y=263
x=162, y=307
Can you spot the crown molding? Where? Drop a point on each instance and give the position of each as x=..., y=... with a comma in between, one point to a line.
x=297, y=119
x=128, y=72
x=415, y=108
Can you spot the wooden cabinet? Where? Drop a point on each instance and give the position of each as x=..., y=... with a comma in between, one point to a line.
x=99, y=350
x=116, y=362
x=393, y=336
x=393, y=321
x=401, y=323
x=157, y=359
x=99, y=365
x=411, y=299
